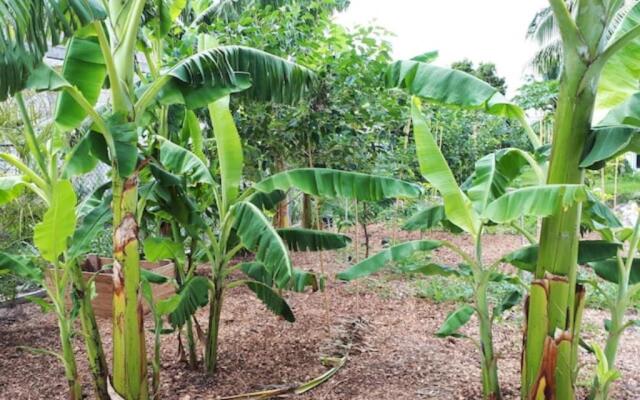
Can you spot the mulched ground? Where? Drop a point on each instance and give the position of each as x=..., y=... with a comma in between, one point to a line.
x=394, y=353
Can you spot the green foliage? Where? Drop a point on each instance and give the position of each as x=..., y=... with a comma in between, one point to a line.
x=395, y=253
x=229, y=148
x=298, y=239
x=193, y=294
x=84, y=67
x=538, y=95
x=207, y=76
x=91, y=227
x=159, y=248
x=538, y=201
x=327, y=183
x=27, y=30
x=456, y=320
x=10, y=188
x=485, y=71
x=272, y=300
x=619, y=75
x=589, y=251
x=257, y=235
x=50, y=236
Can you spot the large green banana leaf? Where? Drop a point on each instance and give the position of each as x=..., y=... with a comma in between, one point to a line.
x=435, y=169
x=165, y=13
x=454, y=88
x=609, y=143
x=171, y=195
x=425, y=219
x=58, y=223
x=271, y=299
x=267, y=201
x=161, y=248
x=395, y=253
x=259, y=237
x=126, y=140
x=597, y=216
x=43, y=78
x=229, y=150
x=28, y=28
x=589, y=251
x=619, y=76
x=330, y=183
x=84, y=68
x=214, y=73
x=440, y=85
x=538, y=201
x=178, y=160
x=609, y=270
x=91, y=225
x=300, y=279
x=94, y=145
x=618, y=132
x=80, y=160
x=298, y=239
x=429, y=218
x=193, y=294
x=495, y=173
x=624, y=114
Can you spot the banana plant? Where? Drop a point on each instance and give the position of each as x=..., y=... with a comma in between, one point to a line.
x=454, y=88
x=496, y=193
x=72, y=243
x=61, y=242
x=221, y=220
x=591, y=52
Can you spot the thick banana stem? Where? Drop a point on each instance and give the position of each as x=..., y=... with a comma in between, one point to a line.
x=129, y=355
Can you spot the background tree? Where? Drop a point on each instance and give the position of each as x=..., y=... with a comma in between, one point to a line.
x=485, y=71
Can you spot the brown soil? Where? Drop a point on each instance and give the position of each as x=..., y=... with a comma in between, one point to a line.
x=394, y=355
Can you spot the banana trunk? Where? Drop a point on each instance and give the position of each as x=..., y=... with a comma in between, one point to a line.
x=129, y=355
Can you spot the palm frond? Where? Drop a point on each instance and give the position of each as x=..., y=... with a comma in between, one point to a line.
x=543, y=27
x=547, y=61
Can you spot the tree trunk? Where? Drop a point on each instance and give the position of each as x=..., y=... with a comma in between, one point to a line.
x=129, y=353
x=307, y=211
x=282, y=212
x=364, y=220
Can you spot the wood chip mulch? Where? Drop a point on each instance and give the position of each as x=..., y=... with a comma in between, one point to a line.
x=394, y=354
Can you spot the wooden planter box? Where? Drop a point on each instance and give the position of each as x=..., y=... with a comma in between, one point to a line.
x=102, y=303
